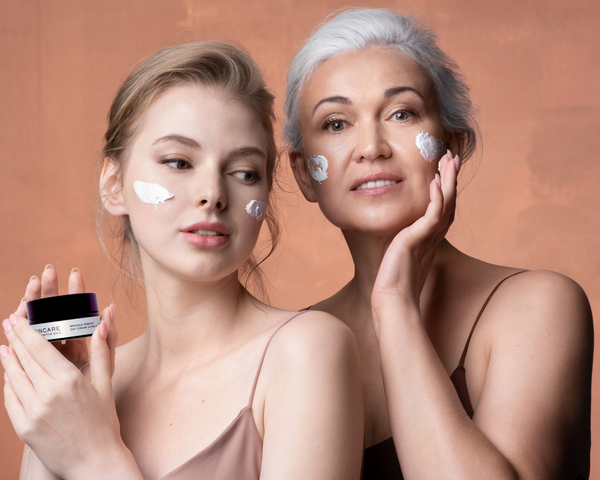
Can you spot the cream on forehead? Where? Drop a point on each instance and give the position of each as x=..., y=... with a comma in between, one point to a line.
x=257, y=209
x=431, y=148
x=151, y=193
x=317, y=166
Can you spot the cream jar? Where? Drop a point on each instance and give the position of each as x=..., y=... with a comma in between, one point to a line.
x=65, y=316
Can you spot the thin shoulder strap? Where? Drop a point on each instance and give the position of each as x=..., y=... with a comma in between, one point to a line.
x=461, y=364
x=262, y=359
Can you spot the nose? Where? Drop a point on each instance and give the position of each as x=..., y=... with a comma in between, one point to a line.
x=211, y=191
x=371, y=143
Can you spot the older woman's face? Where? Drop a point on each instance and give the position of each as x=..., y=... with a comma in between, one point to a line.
x=362, y=112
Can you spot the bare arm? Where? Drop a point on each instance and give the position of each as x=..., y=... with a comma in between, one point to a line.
x=313, y=416
x=532, y=417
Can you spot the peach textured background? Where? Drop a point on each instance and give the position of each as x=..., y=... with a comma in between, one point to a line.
x=532, y=65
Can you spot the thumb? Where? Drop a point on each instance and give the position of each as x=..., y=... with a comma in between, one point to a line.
x=100, y=358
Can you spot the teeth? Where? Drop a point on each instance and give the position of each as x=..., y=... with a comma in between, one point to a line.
x=206, y=233
x=378, y=183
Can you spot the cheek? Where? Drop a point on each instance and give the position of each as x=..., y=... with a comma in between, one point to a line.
x=430, y=148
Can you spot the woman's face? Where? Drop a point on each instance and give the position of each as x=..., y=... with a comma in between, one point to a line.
x=209, y=151
x=362, y=112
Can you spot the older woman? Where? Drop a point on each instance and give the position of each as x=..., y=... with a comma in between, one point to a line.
x=470, y=370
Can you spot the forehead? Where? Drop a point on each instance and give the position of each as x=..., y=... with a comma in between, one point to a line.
x=370, y=72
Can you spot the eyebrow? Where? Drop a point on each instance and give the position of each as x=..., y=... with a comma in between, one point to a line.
x=390, y=92
x=335, y=99
x=187, y=141
x=248, y=152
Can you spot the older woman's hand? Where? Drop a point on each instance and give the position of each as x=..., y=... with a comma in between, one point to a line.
x=409, y=257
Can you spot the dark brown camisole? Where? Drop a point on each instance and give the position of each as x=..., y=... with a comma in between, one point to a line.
x=237, y=452
x=381, y=461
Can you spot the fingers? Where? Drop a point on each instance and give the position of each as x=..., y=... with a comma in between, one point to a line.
x=102, y=354
x=49, y=282
x=33, y=351
x=13, y=405
x=76, y=283
x=20, y=385
x=33, y=291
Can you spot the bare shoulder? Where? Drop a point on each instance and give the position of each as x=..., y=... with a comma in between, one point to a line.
x=312, y=336
x=542, y=299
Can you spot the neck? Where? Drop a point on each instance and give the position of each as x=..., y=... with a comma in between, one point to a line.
x=190, y=322
x=367, y=253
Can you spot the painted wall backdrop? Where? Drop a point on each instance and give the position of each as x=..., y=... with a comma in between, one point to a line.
x=532, y=202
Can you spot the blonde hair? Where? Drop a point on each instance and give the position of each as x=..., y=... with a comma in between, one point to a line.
x=204, y=63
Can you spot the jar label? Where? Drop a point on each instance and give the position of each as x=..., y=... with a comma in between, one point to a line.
x=76, y=327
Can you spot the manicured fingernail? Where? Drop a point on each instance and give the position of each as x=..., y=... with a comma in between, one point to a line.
x=75, y=270
x=457, y=163
x=6, y=325
x=33, y=277
x=13, y=319
x=3, y=351
x=48, y=266
x=437, y=179
x=113, y=313
x=449, y=153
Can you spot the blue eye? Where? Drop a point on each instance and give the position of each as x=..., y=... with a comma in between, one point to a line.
x=178, y=164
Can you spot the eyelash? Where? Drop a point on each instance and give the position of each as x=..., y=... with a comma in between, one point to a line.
x=330, y=122
x=178, y=160
x=251, y=182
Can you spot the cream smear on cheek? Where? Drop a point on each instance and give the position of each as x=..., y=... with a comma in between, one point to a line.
x=151, y=193
x=257, y=209
x=317, y=166
x=431, y=148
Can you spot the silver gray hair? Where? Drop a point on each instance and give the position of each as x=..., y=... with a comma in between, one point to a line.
x=357, y=30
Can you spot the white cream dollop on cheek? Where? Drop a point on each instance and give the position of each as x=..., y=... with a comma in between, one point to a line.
x=151, y=193
x=257, y=209
x=431, y=148
x=317, y=166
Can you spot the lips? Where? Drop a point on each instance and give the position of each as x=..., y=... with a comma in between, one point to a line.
x=207, y=234
x=376, y=183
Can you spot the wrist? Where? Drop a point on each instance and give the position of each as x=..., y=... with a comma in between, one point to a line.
x=116, y=463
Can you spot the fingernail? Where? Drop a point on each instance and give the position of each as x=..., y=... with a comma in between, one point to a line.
x=48, y=266
x=449, y=153
x=437, y=179
x=113, y=313
x=6, y=325
x=75, y=270
x=33, y=277
x=3, y=351
x=103, y=330
x=457, y=164
x=13, y=319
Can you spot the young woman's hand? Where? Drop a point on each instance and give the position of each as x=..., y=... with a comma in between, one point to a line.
x=69, y=422
x=409, y=257
x=75, y=350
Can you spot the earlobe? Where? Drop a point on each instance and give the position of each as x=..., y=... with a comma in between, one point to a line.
x=302, y=175
x=110, y=189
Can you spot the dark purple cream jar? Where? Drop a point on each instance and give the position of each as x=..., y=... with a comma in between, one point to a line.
x=65, y=316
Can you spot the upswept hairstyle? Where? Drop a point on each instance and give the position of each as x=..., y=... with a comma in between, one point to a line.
x=204, y=63
x=357, y=30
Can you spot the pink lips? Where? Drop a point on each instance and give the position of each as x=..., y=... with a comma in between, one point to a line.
x=207, y=234
x=376, y=177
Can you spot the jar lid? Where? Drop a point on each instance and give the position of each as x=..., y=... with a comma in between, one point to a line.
x=62, y=307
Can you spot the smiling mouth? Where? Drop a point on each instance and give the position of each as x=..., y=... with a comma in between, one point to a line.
x=376, y=184
x=207, y=233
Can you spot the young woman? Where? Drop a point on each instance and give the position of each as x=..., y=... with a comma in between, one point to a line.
x=470, y=370
x=220, y=385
